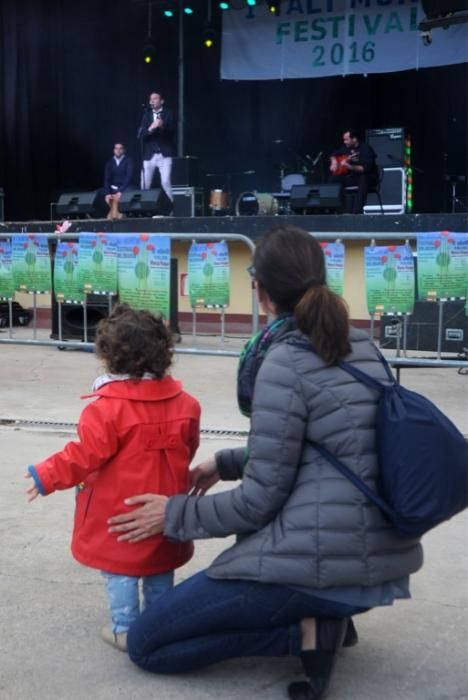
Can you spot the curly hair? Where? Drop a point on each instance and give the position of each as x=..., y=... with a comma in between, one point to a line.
x=134, y=342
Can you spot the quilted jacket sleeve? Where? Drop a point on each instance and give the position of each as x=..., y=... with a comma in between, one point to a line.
x=97, y=443
x=275, y=445
x=230, y=463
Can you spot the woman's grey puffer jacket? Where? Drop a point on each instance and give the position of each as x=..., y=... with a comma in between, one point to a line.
x=303, y=523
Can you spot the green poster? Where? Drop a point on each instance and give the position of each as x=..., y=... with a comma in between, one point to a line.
x=67, y=286
x=97, y=271
x=208, y=274
x=389, y=275
x=442, y=265
x=7, y=288
x=145, y=271
x=31, y=263
x=334, y=254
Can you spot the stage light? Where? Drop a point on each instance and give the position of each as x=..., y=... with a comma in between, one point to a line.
x=188, y=10
x=251, y=3
x=273, y=7
x=224, y=5
x=149, y=53
x=168, y=13
x=209, y=37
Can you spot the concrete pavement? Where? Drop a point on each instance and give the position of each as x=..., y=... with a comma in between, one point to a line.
x=51, y=608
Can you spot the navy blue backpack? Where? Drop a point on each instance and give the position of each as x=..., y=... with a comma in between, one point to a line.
x=423, y=458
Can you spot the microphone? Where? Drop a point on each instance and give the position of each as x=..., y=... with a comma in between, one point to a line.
x=316, y=160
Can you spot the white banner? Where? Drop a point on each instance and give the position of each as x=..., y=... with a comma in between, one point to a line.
x=318, y=38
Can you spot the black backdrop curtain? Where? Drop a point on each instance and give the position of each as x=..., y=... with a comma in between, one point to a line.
x=72, y=82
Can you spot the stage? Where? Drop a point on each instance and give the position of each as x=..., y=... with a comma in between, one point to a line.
x=361, y=226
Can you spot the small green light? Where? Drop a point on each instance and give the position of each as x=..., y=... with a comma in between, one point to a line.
x=251, y=3
x=168, y=13
x=224, y=5
x=188, y=10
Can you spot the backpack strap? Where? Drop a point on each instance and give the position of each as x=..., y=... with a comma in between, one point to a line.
x=349, y=474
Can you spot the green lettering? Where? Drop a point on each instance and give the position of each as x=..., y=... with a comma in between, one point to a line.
x=335, y=21
x=393, y=23
x=317, y=26
x=294, y=6
x=351, y=24
x=414, y=19
x=372, y=28
x=300, y=30
x=282, y=30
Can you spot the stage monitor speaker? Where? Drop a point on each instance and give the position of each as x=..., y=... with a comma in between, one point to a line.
x=185, y=172
x=145, y=202
x=316, y=198
x=423, y=325
x=76, y=204
x=389, y=146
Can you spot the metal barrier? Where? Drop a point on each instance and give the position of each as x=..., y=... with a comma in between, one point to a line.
x=85, y=345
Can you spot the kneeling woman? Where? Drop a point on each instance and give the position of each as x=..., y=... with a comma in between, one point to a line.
x=312, y=551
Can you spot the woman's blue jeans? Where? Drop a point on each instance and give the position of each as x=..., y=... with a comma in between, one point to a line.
x=203, y=620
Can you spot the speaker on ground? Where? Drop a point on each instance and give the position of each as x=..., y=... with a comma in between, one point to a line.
x=76, y=204
x=316, y=198
x=145, y=203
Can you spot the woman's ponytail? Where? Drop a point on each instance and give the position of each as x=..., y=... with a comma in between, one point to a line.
x=323, y=316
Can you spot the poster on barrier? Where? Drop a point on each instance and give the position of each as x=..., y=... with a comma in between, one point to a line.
x=208, y=274
x=97, y=271
x=334, y=254
x=7, y=288
x=31, y=263
x=442, y=265
x=389, y=278
x=67, y=285
x=145, y=272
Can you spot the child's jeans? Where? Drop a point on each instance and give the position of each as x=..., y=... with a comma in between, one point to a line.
x=124, y=598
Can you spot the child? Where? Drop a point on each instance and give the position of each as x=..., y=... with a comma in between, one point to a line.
x=138, y=436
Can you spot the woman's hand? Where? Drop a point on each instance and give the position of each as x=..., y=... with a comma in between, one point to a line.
x=203, y=477
x=143, y=522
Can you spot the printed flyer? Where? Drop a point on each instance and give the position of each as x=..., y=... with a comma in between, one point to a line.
x=442, y=265
x=31, y=263
x=208, y=274
x=145, y=272
x=389, y=278
x=97, y=272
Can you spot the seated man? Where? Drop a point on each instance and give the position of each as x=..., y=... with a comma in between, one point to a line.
x=353, y=165
x=118, y=173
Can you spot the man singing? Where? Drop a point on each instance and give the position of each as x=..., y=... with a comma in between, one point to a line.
x=157, y=136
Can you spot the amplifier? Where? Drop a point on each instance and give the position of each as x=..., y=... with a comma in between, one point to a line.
x=188, y=201
x=392, y=193
x=389, y=145
x=423, y=326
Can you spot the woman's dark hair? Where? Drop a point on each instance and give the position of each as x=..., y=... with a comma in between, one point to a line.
x=133, y=342
x=290, y=266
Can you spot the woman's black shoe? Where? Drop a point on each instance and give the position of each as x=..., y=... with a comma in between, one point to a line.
x=318, y=663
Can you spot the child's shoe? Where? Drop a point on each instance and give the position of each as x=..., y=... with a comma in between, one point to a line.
x=115, y=639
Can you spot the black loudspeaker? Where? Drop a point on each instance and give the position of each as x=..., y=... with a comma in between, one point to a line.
x=145, y=202
x=76, y=204
x=422, y=328
x=316, y=198
x=97, y=307
x=389, y=146
x=185, y=172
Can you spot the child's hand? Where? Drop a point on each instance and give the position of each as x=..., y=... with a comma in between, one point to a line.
x=32, y=492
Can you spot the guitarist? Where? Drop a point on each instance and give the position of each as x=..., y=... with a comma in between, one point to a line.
x=353, y=165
